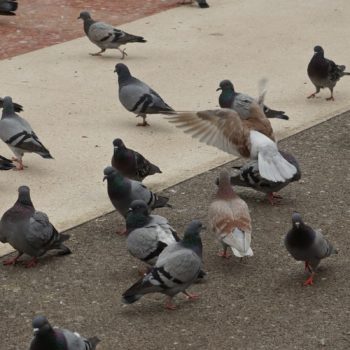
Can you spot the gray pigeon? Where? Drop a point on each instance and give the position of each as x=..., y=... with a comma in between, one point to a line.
x=123, y=191
x=138, y=97
x=106, y=36
x=305, y=244
x=6, y=164
x=201, y=3
x=249, y=176
x=17, y=107
x=148, y=235
x=323, y=72
x=8, y=7
x=49, y=338
x=229, y=98
x=131, y=163
x=177, y=267
x=19, y=135
x=29, y=231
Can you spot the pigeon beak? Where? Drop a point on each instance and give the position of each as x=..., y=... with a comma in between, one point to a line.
x=35, y=331
x=297, y=224
x=218, y=89
x=105, y=177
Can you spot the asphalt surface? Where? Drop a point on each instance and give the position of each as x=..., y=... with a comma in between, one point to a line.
x=259, y=304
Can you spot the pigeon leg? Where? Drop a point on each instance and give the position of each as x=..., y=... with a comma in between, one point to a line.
x=12, y=261
x=191, y=296
x=31, y=263
x=123, y=53
x=169, y=305
x=19, y=163
x=314, y=94
x=121, y=232
x=310, y=280
x=224, y=253
x=331, y=98
x=307, y=267
x=273, y=198
x=98, y=53
x=144, y=123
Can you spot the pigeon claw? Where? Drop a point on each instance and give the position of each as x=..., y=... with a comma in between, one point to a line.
x=274, y=198
x=330, y=98
x=309, y=281
x=31, y=263
x=169, y=305
x=191, y=296
x=11, y=261
x=312, y=95
x=224, y=254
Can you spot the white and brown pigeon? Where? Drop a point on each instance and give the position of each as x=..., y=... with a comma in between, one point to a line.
x=106, y=36
x=251, y=138
x=308, y=245
x=324, y=73
x=229, y=219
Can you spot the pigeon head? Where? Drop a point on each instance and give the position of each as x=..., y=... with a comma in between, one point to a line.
x=192, y=237
x=24, y=196
x=318, y=49
x=225, y=190
x=123, y=72
x=225, y=85
x=297, y=220
x=138, y=215
x=7, y=105
x=118, y=143
x=110, y=173
x=84, y=15
x=41, y=325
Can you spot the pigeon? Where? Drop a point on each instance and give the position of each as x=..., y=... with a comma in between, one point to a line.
x=106, y=36
x=229, y=98
x=138, y=97
x=177, y=267
x=131, y=163
x=229, y=219
x=17, y=107
x=6, y=164
x=49, y=338
x=249, y=176
x=148, y=235
x=308, y=245
x=19, y=135
x=225, y=130
x=29, y=231
x=323, y=72
x=123, y=191
x=201, y=3
x=8, y=7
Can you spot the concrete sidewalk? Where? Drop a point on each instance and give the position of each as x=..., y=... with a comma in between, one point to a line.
x=70, y=98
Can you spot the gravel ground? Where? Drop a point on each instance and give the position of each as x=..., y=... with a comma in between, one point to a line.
x=259, y=304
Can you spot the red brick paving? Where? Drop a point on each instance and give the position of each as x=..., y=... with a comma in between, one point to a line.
x=41, y=23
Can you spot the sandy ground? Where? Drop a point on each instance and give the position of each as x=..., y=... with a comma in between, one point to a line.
x=260, y=304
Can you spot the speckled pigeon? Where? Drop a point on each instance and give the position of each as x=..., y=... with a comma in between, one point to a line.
x=6, y=164
x=131, y=163
x=47, y=337
x=323, y=72
x=248, y=176
x=201, y=3
x=308, y=245
x=19, y=135
x=17, y=107
x=106, y=36
x=177, y=267
x=123, y=191
x=229, y=98
x=29, y=231
x=229, y=219
x=138, y=97
x=8, y=7
x=148, y=235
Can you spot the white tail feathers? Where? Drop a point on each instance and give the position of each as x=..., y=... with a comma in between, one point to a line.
x=272, y=166
x=239, y=242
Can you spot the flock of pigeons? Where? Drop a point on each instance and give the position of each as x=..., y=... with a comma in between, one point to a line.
x=173, y=264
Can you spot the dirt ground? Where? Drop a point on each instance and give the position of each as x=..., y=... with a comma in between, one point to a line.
x=259, y=304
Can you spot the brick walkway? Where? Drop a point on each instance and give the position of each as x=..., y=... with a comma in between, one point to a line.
x=41, y=23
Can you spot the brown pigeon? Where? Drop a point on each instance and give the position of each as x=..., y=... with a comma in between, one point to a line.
x=229, y=219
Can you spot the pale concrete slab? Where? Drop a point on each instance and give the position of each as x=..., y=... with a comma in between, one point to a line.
x=70, y=98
